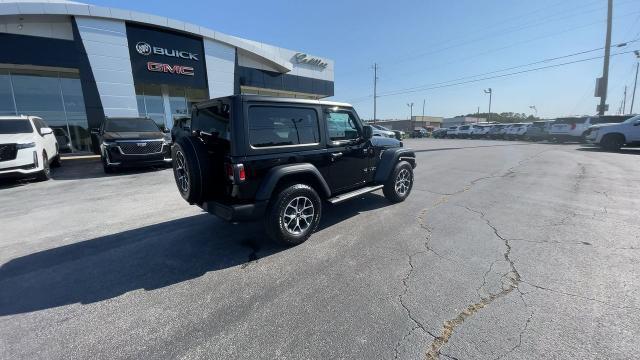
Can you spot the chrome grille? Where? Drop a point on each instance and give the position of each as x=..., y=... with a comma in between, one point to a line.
x=140, y=147
x=8, y=152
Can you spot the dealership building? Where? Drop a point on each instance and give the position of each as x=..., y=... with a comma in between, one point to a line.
x=73, y=64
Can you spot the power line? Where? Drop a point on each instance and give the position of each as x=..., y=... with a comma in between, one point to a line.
x=525, y=65
x=429, y=87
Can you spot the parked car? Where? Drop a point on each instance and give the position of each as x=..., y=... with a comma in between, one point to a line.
x=575, y=128
x=604, y=121
x=539, y=130
x=132, y=142
x=612, y=136
x=64, y=142
x=439, y=133
x=452, y=132
x=277, y=159
x=495, y=131
x=28, y=148
x=387, y=132
x=516, y=131
x=464, y=132
x=420, y=132
x=480, y=130
x=382, y=131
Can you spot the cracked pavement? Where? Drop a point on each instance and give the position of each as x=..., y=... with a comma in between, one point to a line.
x=504, y=250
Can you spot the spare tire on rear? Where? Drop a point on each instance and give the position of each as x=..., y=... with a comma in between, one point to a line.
x=191, y=169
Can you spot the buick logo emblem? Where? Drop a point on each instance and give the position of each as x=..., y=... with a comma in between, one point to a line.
x=143, y=48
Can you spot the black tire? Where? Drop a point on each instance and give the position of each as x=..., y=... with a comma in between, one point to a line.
x=282, y=207
x=612, y=142
x=191, y=169
x=56, y=163
x=45, y=173
x=393, y=193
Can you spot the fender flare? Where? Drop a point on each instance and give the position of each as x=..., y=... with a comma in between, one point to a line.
x=388, y=160
x=275, y=174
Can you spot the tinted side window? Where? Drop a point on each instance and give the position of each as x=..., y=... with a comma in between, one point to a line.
x=342, y=126
x=280, y=126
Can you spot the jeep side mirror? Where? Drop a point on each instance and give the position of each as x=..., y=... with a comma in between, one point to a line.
x=367, y=132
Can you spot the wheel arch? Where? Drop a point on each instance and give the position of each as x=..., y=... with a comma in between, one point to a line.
x=616, y=133
x=390, y=158
x=304, y=173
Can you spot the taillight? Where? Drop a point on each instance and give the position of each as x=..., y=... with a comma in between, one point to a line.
x=236, y=172
x=242, y=176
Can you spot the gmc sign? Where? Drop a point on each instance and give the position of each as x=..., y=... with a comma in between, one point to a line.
x=170, y=69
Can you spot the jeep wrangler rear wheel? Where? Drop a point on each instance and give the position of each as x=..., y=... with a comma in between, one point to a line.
x=293, y=215
x=399, y=184
x=191, y=169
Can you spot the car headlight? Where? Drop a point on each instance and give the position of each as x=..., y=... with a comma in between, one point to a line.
x=25, y=145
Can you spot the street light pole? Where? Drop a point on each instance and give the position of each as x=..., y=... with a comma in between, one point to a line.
x=410, y=105
x=489, y=91
x=605, y=67
x=633, y=97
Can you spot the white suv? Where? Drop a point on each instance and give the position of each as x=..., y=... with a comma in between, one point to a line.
x=575, y=128
x=613, y=136
x=27, y=147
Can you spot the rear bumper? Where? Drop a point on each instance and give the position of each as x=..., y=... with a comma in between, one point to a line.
x=243, y=212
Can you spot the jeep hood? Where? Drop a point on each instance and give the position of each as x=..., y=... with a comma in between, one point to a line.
x=384, y=142
x=147, y=135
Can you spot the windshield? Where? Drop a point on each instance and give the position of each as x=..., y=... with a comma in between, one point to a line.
x=15, y=127
x=632, y=120
x=130, y=125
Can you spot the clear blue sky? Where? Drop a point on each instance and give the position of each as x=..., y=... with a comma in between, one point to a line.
x=424, y=42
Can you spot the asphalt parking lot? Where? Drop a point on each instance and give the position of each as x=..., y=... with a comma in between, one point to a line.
x=503, y=250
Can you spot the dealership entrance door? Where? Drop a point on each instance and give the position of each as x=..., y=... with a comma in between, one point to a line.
x=164, y=103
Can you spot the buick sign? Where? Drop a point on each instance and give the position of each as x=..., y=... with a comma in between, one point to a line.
x=145, y=49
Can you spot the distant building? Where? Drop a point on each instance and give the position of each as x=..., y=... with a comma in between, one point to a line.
x=460, y=120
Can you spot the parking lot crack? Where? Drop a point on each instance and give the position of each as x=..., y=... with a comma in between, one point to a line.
x=539, y=287
x=401, y=299
x=512, y=279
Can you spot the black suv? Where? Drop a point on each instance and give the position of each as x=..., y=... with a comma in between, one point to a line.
x=252, y=157
x=132, y=142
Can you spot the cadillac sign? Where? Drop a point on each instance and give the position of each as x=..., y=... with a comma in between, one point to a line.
x=302, y=58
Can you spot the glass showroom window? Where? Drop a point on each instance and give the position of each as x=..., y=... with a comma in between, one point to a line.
x=150, y=103
x=56, y=97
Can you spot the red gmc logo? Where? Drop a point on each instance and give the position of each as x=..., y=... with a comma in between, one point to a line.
x=171, y=69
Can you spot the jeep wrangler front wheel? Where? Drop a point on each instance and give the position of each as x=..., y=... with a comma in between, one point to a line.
x=293, y=215
x=399, y=184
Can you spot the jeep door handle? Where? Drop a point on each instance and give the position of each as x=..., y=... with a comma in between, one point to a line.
x=335, y=155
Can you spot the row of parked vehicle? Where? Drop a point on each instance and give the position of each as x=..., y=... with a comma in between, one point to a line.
x=611, y=132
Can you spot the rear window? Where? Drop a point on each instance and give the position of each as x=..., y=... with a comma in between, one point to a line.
x=130, y=125
x=281, y=126
x=15, y=127
x=213, y=119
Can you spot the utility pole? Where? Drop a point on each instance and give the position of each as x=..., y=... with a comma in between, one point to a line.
x=533, y=107
x=633, y=97
x=604, y=81
x=489, y=91
x=410, y=105
x=424, y=102
x=375, y=90
x=624, y=101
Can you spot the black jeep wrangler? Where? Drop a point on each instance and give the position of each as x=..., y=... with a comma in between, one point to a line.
x=252, y=157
